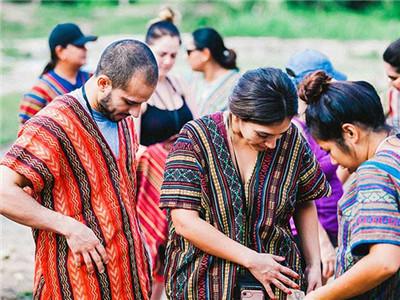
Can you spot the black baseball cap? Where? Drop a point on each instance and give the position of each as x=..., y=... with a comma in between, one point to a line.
x=68, y=33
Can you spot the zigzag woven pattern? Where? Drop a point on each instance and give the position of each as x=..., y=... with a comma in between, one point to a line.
x=74, y=172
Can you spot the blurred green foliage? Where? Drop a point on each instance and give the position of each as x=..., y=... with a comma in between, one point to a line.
x=9, y=117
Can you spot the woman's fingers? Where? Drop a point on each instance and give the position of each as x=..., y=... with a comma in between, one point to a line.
x=289, y=272
x=269, y=291
x=281, y=286
x=312, y=285
x=278, y=258
x=282, y=278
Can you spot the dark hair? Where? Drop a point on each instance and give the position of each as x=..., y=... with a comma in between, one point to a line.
x=392, y=55
x=121, y=59
x=52, y=63
x=264, y=96
x=331, y=104
x=164, y=26
x=209, y=38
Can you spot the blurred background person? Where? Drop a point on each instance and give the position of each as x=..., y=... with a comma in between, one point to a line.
x=162, y=118
x=299, y=66
x=391, y=58
x=347, y=120
x=232, y=181
x=208, y=55
x=63, y=73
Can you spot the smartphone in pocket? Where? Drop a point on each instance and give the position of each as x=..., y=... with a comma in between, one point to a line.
x=252, y=295
x=296, y=295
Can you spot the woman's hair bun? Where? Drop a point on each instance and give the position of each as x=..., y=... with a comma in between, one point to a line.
x=167, y=14
x=229, y=59
x=313, y=86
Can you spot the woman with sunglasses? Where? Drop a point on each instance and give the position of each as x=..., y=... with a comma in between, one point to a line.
x=346, y=118
x=207, y=54
x=391, y=58
x=232, y=181
x=162, y=118
x=63, y=73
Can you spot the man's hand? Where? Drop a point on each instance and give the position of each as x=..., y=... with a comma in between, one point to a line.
x=82, y=241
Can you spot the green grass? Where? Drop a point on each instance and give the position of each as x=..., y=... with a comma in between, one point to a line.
x=9, y=117
x=24, y=296
x=15, y=53
x=301, y=22
x=230, y=18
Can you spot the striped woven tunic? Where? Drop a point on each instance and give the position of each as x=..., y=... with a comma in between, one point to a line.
x=369, y=213
x=49, y=86
x=200, y=175
x=73, y=171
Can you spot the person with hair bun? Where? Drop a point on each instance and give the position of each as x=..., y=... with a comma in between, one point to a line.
x=347, y=120
x=168, y=109
x=232, y=181
x=207, y=54
x=391, y=58
x=300, y=65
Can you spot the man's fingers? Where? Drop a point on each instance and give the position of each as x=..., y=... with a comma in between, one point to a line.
x=77, y=259
x=88, y=261
x=97, y=260
x=102, y=251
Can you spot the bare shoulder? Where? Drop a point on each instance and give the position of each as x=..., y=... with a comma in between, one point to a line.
x=178, y=82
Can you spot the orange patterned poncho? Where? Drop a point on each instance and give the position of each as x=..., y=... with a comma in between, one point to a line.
x=73, y=171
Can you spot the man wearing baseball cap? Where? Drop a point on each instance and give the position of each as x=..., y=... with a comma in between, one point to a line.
x=307, y=61
x=63, y=73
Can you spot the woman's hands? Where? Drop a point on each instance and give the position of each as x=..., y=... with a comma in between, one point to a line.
x=313, y=275
x=328, y=258
x=267, y=269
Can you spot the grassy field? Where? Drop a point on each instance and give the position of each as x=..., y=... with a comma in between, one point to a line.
x=8, y=117
x=232, y=18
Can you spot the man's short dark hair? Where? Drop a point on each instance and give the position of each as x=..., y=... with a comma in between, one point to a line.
x=121, y=59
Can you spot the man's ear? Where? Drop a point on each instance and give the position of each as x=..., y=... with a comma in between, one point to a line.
x=351, y=133
x=104, y=83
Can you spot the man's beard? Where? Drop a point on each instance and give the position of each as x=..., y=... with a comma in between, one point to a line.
x=104, y=107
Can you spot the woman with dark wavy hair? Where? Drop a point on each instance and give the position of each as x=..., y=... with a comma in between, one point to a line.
x=347, y=120
x=232, y=181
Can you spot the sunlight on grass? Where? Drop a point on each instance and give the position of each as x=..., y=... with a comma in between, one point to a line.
x=9, y=117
